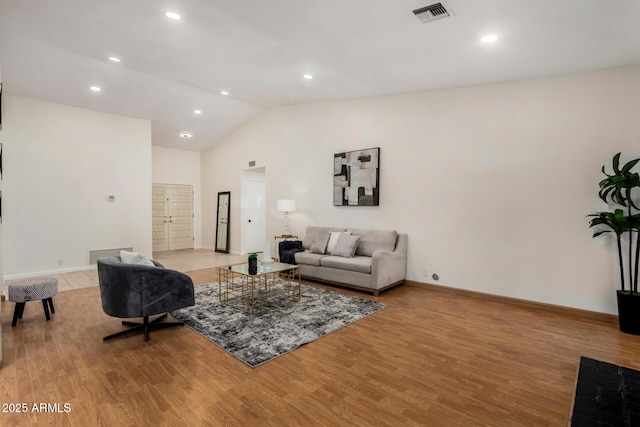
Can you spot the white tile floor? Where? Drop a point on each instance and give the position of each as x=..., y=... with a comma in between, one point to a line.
x=184, y=260
x=196, y=259
x=69, y=281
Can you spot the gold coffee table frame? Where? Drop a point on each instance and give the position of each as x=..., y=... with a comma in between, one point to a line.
x=255, y=293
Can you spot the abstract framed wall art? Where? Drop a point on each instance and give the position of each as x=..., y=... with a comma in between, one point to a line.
x=356, y=178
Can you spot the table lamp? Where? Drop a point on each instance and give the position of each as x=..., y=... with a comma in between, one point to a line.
x=286, y=206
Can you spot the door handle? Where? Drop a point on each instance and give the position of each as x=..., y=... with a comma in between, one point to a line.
x=249, y=221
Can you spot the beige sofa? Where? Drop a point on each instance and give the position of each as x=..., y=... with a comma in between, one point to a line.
x=379, y=262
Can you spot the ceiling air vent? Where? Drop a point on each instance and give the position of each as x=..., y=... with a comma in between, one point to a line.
x=431, y=13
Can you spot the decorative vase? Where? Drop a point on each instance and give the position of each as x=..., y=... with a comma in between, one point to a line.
x=253, y=265
x=629, y=312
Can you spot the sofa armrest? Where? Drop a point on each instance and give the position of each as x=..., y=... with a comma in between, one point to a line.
x=389, y=267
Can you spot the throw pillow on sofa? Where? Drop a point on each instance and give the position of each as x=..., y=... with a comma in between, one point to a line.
x=333, y=239
x=346, y=245
x=319, y=246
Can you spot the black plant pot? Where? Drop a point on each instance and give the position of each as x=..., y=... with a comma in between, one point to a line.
x=253, y=265
x=629, y=312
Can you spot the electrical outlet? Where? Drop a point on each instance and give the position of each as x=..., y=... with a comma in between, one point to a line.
x=425, y=272
x=60, y=262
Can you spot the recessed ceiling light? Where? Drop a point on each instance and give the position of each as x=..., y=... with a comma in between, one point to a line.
x=185, y=135
x=224, y=92
x=114, y=59
x=95, y=88
x=308, y=76
x=197, y=111
x=489, y=38
x=173, y=15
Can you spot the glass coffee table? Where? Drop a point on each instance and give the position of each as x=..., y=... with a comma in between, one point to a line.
x=275, y=285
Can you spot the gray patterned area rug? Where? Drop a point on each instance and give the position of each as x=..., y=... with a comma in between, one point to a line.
x=256, y=339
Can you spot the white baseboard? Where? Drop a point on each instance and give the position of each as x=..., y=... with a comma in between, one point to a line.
x=230, y=252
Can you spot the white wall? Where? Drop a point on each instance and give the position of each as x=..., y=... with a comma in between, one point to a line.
x=492, y=183
x=172, y=166
x=60, y=164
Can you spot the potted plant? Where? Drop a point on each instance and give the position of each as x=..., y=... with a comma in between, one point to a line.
x=253, y=263
x=618, y=189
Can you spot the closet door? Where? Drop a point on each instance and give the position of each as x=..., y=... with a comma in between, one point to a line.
x=160, y=219
x=180, y=217
x=172, y=217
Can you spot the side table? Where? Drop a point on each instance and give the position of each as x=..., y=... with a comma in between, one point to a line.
x=285, y=237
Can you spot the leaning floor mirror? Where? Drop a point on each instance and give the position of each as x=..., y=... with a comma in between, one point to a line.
x=222, y=223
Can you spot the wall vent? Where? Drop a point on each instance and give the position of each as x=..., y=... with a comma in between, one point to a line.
x=94, y=255
x=432, y=12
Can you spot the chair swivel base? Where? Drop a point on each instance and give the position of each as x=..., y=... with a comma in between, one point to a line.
x=145, y=327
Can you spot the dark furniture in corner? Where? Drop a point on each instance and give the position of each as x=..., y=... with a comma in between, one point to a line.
x=134, y=291
x=287, y=250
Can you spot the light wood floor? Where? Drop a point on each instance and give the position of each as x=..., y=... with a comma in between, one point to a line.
x=433, y=357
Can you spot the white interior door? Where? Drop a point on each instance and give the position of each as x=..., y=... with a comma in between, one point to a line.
x=172, y=221
x=255, y=229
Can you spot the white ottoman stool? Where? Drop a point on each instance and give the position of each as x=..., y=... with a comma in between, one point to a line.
x=41, y=288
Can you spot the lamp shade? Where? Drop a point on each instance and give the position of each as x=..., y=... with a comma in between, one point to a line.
x=284, y=205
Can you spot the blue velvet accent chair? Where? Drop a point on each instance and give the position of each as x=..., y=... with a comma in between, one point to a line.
x=137, y=291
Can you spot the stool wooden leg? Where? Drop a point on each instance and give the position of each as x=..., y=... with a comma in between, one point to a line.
x=45, y=304
x=22, y=305
x=17, y=313
x=51, y=308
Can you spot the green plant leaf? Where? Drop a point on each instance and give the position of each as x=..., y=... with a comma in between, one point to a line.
x=616, y=188
x=627, y=167
x=616, y=163
x=605, y=193
x=615, y=221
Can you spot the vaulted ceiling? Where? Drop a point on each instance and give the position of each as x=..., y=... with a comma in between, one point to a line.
x=258, y=51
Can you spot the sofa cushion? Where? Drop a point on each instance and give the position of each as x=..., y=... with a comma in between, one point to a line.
x=360, y=264
x=319, y=246
x=308, y=258
x=373, y=240
x=346, y=245
x=314, y=233
x=333, y=239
